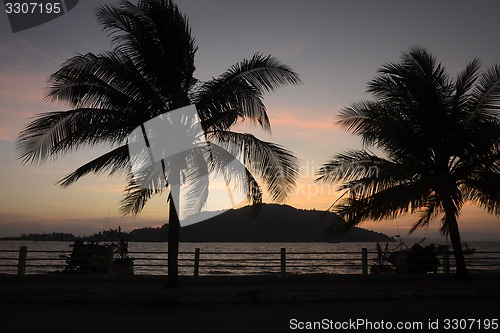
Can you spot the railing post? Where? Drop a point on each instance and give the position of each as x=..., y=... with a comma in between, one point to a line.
x=196, y=262
x=21, y=264
x=364, y=261
x=446, y=260
x=109, y=260
x=283, y=262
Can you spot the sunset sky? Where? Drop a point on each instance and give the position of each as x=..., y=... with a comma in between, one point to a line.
x=335, y=46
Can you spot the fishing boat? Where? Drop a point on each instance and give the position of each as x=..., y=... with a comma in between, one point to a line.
x=403, y=259
x=94, y=257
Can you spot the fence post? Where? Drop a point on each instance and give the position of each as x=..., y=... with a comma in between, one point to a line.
x=283, y=262
x=196, y=262
x=446, y=260
x=109, y=261
x=21, y=264
x=364, y=261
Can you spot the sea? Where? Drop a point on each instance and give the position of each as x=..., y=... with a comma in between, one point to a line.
x=223, y=259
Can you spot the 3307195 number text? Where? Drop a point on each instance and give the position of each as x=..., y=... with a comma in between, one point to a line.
x=33, y=8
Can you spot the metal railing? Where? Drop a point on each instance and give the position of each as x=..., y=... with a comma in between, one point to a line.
x=196, y=263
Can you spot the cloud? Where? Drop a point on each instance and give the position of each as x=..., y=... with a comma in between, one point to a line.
x=22, y=55
x=6, y=134
x=21, y=97
x=293, y=121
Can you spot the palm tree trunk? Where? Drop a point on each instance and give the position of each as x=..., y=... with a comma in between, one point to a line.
x=451, y=221
x=173, y=245
x=174, y=226
x=173, y=231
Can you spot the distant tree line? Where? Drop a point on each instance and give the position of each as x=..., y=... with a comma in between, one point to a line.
x=54, y=236
x=111, y=235
x=101, y=236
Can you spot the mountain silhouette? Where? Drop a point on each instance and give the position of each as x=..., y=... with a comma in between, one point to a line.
x=274, y=223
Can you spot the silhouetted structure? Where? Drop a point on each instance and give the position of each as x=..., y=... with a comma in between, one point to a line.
x=95, y=258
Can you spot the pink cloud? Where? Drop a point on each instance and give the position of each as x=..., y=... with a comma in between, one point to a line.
x=294, y=121
x=6, y=134
x=21, y=97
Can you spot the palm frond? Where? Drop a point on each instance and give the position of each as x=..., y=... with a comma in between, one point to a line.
x=114, y=161
x=194, y=196
x=136, y=196
x=393, y=202
x=483, y=189
x=254, y=193
x=416, y=77
x=486, y=96
x=195, y=182
x=226, y=166
x=221, y=102
x=352, y=165
x=464, y=83
x=275, y=165
x=240, y=89
x=265, y=73
x=54, y=133
x=431, y=210
x=389, y=126
x=158, y=39
x=108, y=81
x=220, y=121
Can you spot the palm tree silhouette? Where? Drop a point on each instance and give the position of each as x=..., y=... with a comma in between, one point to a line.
x=149, y=72
x=439, y=140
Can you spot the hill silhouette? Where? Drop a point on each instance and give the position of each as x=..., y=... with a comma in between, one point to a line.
x=274, y=223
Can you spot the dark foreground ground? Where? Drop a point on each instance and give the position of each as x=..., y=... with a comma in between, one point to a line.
x=143, y=304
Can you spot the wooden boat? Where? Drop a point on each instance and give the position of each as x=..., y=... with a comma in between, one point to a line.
x=94, y=258
x=415, y=259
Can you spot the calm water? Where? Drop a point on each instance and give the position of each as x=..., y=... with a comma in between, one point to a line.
x=231, y=258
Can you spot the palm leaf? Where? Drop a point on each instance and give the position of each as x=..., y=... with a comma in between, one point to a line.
x=464, y=83
x=136, y=196
x=114, y=161
x=221, y=102
x=224, y=165
x=486, y=96
x=158, y=38
x=240, y=89
x=265, y=73
x=107, y=81
x=55, y=133
x=275, y=165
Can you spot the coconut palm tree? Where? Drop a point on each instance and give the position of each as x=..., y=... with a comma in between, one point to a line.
x=439, y=139
x=149, y=72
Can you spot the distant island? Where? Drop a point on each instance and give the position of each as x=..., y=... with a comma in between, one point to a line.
x=274, y=223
